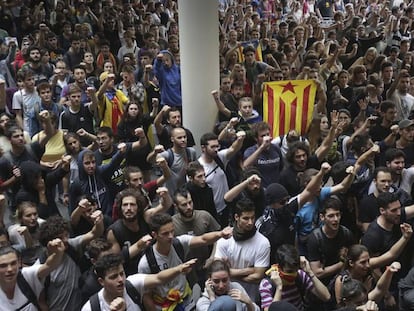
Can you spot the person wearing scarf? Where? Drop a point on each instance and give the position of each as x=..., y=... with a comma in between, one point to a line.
x=294, y=277
x=248, y=251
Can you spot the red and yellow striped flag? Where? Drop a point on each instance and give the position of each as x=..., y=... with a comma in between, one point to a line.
x=288, y=105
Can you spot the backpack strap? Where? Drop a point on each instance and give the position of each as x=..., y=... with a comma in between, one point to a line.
x=134, y=294
x=152, y=261
x=319, y=240
x=170, y=159
x=179, y=249
x=27, y=291
x=94, y=301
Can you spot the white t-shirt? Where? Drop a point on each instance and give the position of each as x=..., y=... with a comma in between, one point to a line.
x=216, y=178
x=254, y=252
x=137, y=280
x=166, y=262
x=19, y=299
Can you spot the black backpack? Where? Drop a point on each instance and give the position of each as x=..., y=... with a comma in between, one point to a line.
x=27, y=291
x=152, y=262
x=320, y=240
x=131, y=291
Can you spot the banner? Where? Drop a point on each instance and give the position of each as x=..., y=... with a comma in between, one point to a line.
x=288, y=105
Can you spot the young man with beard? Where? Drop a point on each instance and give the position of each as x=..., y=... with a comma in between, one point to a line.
x=405, y=141
x=107, y=149
x=398, y=93
x=265, y=156
x=79, y=75
x=214, y=162
x=177, y=157
x=248, y=251
x=402, y=178
x=368, y=206
x=134, y=216
x=74, y=55
x=327, y=246
x=250, y=188
x=231, y=100
x=35, y=66
x=189, y=221
x=62, y=290
x=390, y=233
x=165, y=256
x=201, y=194
x=173, y=118
x=134, y=179
x=12, y=295
x=116, y=292
x=300, y=159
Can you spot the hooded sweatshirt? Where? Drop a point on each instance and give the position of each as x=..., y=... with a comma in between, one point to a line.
x=96, y=184
x=169, y=80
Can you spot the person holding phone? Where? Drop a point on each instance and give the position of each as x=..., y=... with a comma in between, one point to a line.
x=222, y=294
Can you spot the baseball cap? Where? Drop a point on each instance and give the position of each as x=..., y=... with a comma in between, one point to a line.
x=405, y=123
x=275, y=193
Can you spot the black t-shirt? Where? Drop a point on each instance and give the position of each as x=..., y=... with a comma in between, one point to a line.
x=289, y=176
x=74, y=121
x=378, y=132
x=368, y=209
x=378, y=240
x=327, y=250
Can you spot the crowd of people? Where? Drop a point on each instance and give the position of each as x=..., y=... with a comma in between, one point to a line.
x=106, y=204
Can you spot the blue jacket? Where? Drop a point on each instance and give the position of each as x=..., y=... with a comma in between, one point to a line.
x=169, y=80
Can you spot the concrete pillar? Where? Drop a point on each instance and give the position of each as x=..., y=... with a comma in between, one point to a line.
x=199, y=58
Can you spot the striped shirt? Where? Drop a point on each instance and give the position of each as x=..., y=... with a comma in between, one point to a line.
x=290, y=293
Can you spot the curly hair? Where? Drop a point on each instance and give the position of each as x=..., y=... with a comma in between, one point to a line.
x=52, y=228
x=106, y=263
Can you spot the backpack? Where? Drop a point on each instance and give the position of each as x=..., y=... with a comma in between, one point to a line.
x=131, y=291
x=229, y=176
x=320, y=240
x=152, y=261
x=170, y=159
x=27, y=291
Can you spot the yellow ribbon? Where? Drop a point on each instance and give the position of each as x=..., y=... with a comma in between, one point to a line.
x=173, y=299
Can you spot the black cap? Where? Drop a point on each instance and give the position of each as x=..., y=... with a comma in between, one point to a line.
x=275, y=193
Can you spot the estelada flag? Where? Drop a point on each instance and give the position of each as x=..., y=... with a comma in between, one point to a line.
x=288, y=105
x=256, y=44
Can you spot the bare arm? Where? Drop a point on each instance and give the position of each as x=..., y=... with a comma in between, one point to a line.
x=165, y=276
x=115, y=245
x=97, y=230
x=210, y=237
x=395, y=250
x=383, y=284
x=322, y=272
x=165, y=203
x=220, y=105
x=56, y=249
x=237, y=189
x=158, y=119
